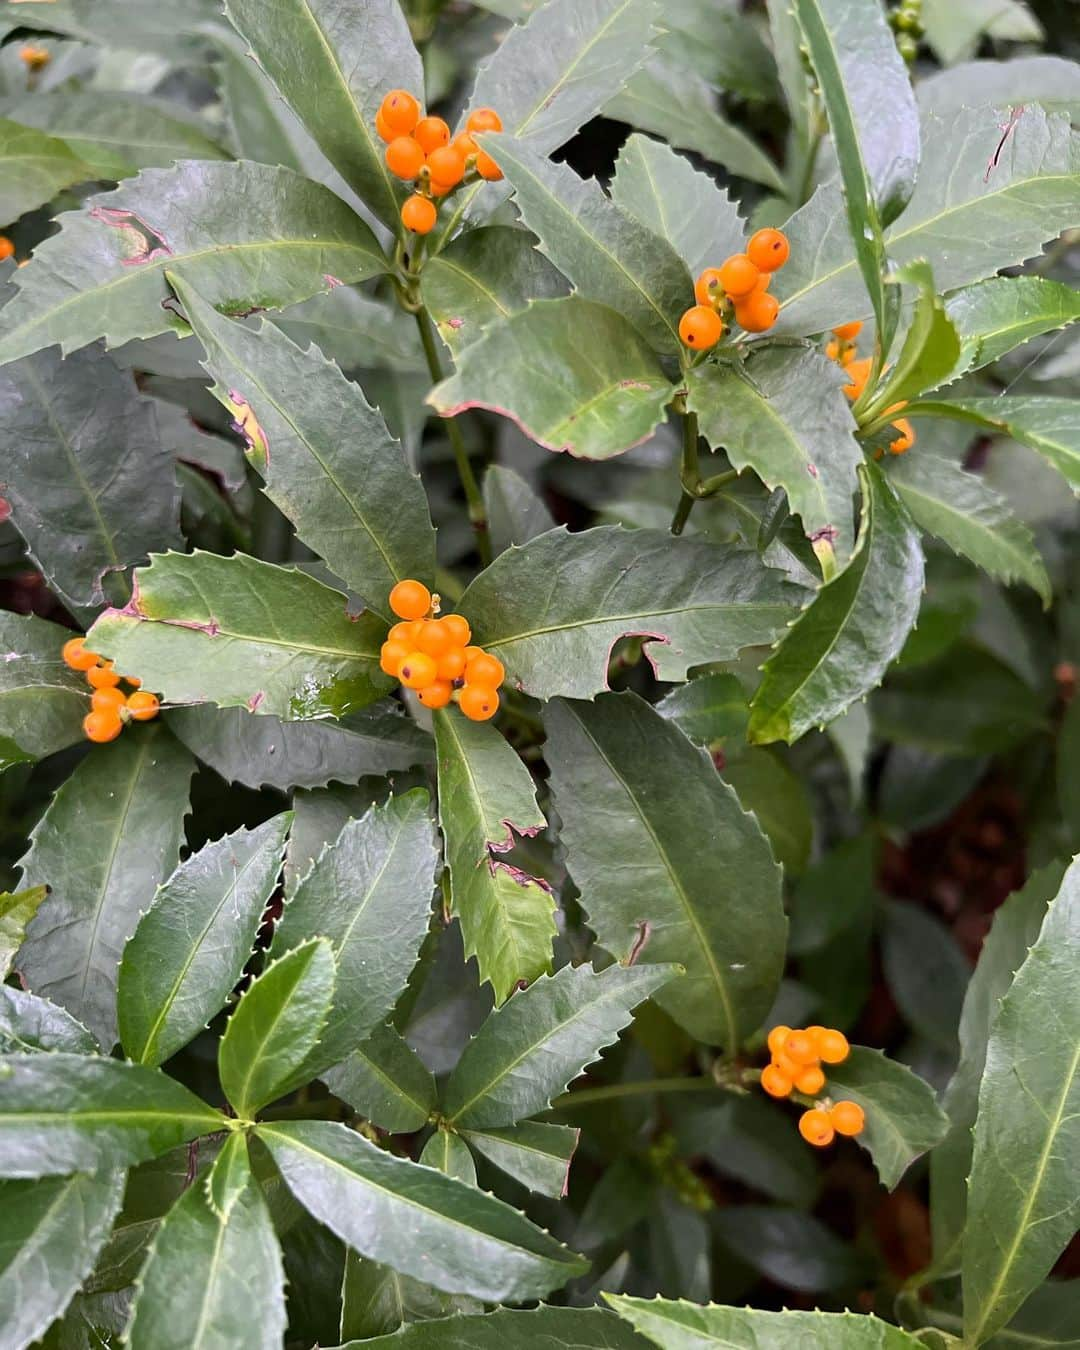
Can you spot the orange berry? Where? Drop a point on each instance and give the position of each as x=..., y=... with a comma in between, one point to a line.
x=410, y=600
x=436, y=695
x=484, y=119
x=465, y=144
x=833, y=1046
x=438, y=189
x=757, y=312
x=775, y=1083
x=447, y=165
x=777, y=1037
x=102, y=726
x=104, y=700
x=34, y=57
x=417, y=670
x=471, y=653
x=458, y=626
x=801, y=1048
x=739, y=276
x=768, y=250
x=811, y=1080
x=103, y=676
x=848, y=332
x=400, y=112
x=391, y=655
x=485, y=669
x=815, y=1033
x=790, y=1068
x=905, y=440
x=431, y=132
x=701, y=328
x=858, y=373
x=451, y=665
x=487, y=168
x=419, y=215
x=76, y=655
x=143, y=706
x=709, y=289
x=847, y=1118
x=7, y=248
x=478, y=703
x=832, y=349
x=405, y=157
x=382, y=126
x=816, y=1128
x=408, y=630
x=434, y=638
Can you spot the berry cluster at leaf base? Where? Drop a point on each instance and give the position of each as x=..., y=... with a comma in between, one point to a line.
x=841, y=349
x=434, y=657
x=420, y=150
x=797, y=1054
x=110, y=707
x=738, y=290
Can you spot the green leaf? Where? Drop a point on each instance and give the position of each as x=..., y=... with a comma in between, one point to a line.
x=769, y=787
x=552, y=610
x=16, y=910
x=53, y=1231
x=483, y=276
x=386, y=1081
x=903, y=1119
x=954, y=27
x=276, y=1027
x=686, y=1326
x=114, y=23
x=745, y=1138
x=531, y=1152
x=42, y=702
x=670, y=101
x=515, y=512
x=708, y=893
x=33, y=169
x=355, y=330
x=557, y=1328
x=675, y=201
x=925, y=970
x=995, y=316
x=415, y=1219
x=841, y=645
x=110, y=836
x=707, y=710
x=1051, y=81
x=449, y=1154
x=532, y=1047
x=784, y=415
x=229, y=1174
x=377, y=1300
x=967, y=514
x=608, y=255
x=239, y=632
x=486, y=798
x=64, y=1113
x=333, y=64
x=31, y=1023
x=187, y=1292
x=1024, y=1201
x=329, y=462
x=103, y=274
x=370, y=894
x=930, y=352
x=320, y=816
x=91, y=486
x=191, y=946
x=789, y=1247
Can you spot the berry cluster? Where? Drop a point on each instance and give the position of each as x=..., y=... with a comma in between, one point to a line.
x=739, y=288
x=420, y=150
x=110, y=707
x=433, y=656
x=841, y=348
x=797, y=1056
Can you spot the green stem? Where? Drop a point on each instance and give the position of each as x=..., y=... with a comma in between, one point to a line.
x=614, y=1091
x=690, y=473
x=473, y=495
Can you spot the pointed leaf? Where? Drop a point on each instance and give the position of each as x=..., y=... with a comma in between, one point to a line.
x=994, y=317
x=515, y=512
x=110, y=836
x=514, y=1328
x=33, y=169
x=841, y=645
x=321, y=815
x=414, y=1219
x=930, y=352
x=329, y=462
x=1052, y=81
x=370, y=894
x=530, y=1049
x=386, y=1081
x=239, y=632
x=64, y=1113
x=53, y=1231
x=553, y=610
x=376, y=1299
x=16, y=911
x=31, y=1023
x=708, y=893
x=103, y=274
x=707, y=710
x=449, y=1154
x=531, y=1152
x=687, y=1326
x=191, y=946
x=229, y=1175
x=42, y=702
x=486, y=797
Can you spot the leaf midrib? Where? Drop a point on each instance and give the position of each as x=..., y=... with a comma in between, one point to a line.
x=643, y=616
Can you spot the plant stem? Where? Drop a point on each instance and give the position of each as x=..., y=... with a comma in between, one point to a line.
x=473, y=495
x=690, y=473
x=613, y=1091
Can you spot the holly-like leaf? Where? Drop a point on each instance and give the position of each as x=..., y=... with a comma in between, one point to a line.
x=53, y=1231
x=688, y=1326
x=33, y=168
x=28, y=1022
x=713, y=904
x=238, y=632
x=113, y=23
x=997, y=315
x=333, y=63
x=329, y=463
x=276, y=1026
x=515, y=512
x=574, y=375
x=1024, y=1201
x=968, y=515
x=1051, y=81
x=930, y=352
x=386, y=1081
x=785, y=416
x=709, y=709
x=370, y=894
x=16, y=911
x=413, y=1218
x=486, y=798
x=536, y=1154
x=63, y=1113
x=483, y=276
x=355, y=330
x=110, y=835
x=533, y=1046
x=685, y=207
x=191, y=946
x=552, y=610
x=42, y=702
x=769, y=787
x=245, y=235
x=376, y=1300
x=229, y=1174
x=448, y=1153
x=320, y=816
x=841, y=645
x=925, y=971
x=572, y=1328
x=608, y=255
x=92, y=489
